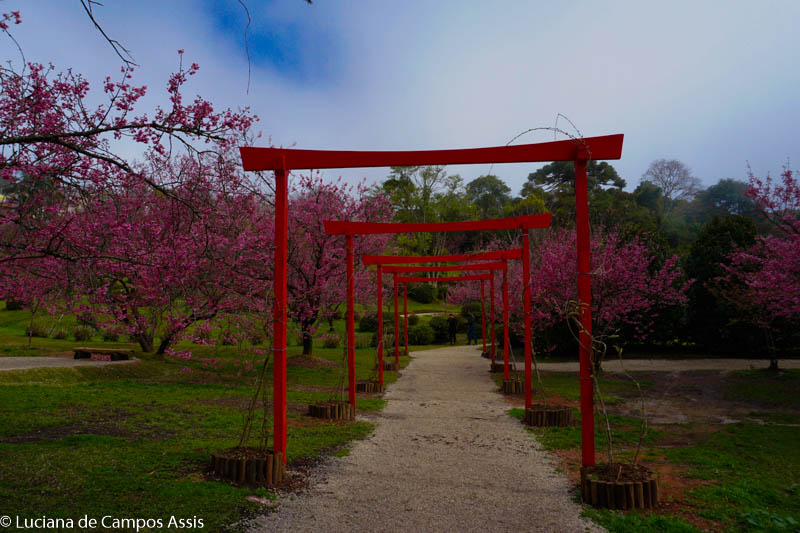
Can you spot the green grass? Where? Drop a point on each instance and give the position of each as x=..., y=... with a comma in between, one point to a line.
x=625, y=432
x=135, y=439
x=755, y=471
x=636, y=522
x=565, y=385
x=750, y=471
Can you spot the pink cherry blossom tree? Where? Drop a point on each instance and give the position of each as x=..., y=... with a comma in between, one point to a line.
x=765, y=279
x=151, y=264
x=59, y=147
x=629, y=292
x=316, y=261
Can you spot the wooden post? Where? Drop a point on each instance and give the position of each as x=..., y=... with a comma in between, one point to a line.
x=279, y=311
x=380, y=324
x=491, y=314
x=405, y=315
x=585, y=302
x=351, y=328
x=483, y=318
x=396, y=324
x=505, y=323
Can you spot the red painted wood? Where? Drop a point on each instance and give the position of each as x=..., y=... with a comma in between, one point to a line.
x=403, y=269
x=483, y=317
x=585, y=301
x=396, y=325
x=420, y=279
x=526, y=299
x=514, y=253
x=405, y=314
x=505, y=325
x=603, y=147
x=491, y=313
x=279, y=421
x=347, y=227
x=351, y=329
x=380, y=324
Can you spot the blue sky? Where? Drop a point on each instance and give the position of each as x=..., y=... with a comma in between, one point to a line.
x=712, y=83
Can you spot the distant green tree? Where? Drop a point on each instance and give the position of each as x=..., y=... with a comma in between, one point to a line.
x=716, y=325
x=727, y=197
x=490, y=194
x=555, y=185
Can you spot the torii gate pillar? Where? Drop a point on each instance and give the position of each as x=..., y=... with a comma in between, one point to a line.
x=585, y=302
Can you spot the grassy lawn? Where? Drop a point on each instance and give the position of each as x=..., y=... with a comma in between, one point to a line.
x=733, y=477
x=135, y=440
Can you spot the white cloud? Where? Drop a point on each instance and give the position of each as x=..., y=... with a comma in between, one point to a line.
x=712, y=83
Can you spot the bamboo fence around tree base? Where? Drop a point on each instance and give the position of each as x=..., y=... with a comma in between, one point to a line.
x=266, y=470
x=619, y=494
x=547, y=416
x=368, y=386
x=513, y=386
x=334, y=410
x=389, y=365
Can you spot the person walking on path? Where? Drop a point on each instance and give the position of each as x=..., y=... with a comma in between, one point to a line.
x=472, y=332
x=452, y=325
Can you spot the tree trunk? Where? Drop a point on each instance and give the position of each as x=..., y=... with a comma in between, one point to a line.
x=165, y=343
x=308, y=340
x=773, y=365
x=145, y=342
x=330, y=324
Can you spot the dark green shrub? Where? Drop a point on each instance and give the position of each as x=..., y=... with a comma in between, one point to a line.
x=475, y=307
x=37, y=328
x=60, y=334
x=110, y=336
x=441, y=292
x=440, y=328
x=420, y=334
x=413, y=319
x=83, y=333
x=369, y=322
x=422, y=292
x=388, y=331
x=14, y=306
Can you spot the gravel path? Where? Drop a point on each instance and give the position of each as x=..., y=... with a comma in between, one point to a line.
x=445, y=456
x=673, y=365
x=22, y=363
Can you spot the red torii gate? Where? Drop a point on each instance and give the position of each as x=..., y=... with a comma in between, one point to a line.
x=390, y=269
x=282, y=160
x=524, y=223
x=495, y=255
x=405, y=280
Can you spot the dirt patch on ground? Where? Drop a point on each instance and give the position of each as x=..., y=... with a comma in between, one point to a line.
x=107, y=423
x=310, y=361
x=688, y=407
x=690, y=397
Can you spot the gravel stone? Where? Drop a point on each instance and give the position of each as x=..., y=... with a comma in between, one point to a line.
x=445, y=456
x=23, y=363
